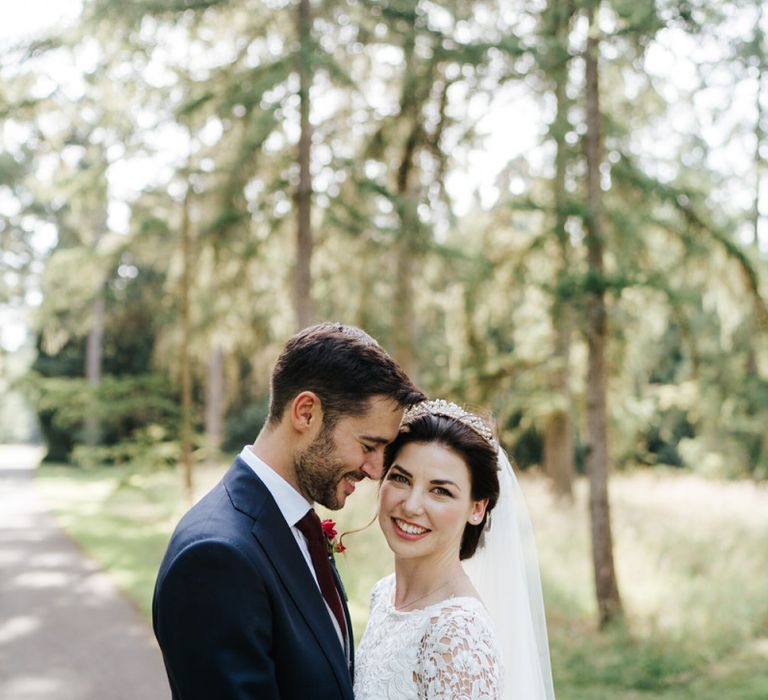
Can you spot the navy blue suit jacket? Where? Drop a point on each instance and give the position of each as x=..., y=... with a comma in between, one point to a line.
x=236, y=610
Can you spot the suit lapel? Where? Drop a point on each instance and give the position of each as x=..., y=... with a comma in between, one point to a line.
x=344, y=598
x=249, y=495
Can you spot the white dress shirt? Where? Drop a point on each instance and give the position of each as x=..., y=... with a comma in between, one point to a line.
x=293, y=507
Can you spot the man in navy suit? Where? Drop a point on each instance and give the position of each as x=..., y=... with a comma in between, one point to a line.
x=244, y=605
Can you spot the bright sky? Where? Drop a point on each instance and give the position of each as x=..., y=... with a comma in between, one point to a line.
x=25, y=18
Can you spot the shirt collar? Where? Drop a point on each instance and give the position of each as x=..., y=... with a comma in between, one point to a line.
x=291, y=503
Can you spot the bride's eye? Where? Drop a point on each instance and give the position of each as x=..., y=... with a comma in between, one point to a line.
x=399, y=478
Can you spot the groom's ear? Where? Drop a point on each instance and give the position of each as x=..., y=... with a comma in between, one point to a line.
x=306, y=412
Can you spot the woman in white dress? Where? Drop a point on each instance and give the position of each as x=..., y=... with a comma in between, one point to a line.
x=439, y=627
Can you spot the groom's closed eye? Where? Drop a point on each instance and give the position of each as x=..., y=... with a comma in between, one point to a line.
x=372, y=443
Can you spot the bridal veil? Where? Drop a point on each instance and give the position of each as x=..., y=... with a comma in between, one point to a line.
x=505, y=572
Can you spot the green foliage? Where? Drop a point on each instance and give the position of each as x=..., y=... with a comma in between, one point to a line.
x=244, y=423
x=473, y=287
x=148, y=448
x=130, y=408
x=151, y=447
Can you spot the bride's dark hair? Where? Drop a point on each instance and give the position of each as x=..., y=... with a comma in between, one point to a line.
x=477, y=453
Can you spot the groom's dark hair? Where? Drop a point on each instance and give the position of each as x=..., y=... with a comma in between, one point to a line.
x=344, y=366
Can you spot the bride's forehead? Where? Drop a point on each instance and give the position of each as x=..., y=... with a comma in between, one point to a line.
x=427, y=458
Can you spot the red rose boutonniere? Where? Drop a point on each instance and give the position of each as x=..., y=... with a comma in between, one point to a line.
x=329, y=530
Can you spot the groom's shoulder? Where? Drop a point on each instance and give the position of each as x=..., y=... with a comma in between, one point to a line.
x=212, y=517
x=207, y=516
x=210, y=525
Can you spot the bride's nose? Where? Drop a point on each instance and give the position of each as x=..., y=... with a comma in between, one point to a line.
x=413, y=504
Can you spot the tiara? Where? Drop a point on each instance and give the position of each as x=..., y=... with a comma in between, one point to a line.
x=441, y=407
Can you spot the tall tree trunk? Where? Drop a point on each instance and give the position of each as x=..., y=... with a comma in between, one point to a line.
x=214, y=399
x=185, y=366
x=303, y=276
x=608, y=599
x=762, y=68
x=559, y=452
x=93, y=362
x=404, y=316
x=365, y=312
x=558, y=431
x=405, y=321
x=94, y=351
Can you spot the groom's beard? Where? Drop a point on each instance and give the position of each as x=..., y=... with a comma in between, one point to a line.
x=319, y=471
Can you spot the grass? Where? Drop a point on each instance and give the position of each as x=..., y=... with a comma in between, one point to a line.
x=691, y=557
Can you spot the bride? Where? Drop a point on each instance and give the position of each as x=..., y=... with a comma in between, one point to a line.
x=462, y=616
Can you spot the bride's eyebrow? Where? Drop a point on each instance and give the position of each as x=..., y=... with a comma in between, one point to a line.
x=443, y=482
x=404, y=472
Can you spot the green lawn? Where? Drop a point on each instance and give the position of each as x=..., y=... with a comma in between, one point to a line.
x=692, y=560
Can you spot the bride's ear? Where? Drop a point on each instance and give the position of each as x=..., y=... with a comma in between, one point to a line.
x=478, y=511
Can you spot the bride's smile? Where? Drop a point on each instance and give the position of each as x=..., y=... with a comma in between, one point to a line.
x=426, y=502
x=408, y=530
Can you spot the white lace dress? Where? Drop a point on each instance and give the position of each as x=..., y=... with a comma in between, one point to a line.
x=446, y=651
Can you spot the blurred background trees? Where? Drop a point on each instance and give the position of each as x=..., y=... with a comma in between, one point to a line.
x=552, y=209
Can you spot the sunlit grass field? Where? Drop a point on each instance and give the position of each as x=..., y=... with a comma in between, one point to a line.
x=691, y=555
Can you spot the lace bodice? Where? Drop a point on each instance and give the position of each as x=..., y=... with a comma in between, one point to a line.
x=446, y=651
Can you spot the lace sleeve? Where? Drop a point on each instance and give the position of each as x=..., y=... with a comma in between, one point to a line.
x=457, y=658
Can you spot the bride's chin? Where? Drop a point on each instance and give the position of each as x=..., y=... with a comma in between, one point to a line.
x=404, y=547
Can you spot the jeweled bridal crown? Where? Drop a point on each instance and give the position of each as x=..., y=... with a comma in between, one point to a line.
x=441, y=407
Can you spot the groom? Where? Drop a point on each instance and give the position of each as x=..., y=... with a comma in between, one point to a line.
x=247, y=603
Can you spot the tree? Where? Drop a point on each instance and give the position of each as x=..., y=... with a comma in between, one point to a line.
x=303, y=274
x=185, y=235
x=558, y=448
x=608, y=599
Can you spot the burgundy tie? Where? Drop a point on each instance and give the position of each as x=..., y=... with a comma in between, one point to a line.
x=311, y=528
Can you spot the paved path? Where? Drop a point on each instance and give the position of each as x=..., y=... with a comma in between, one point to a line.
x=65, y=631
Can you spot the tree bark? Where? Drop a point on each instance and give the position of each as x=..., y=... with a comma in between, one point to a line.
x=404, y=322
x=752, y=368
x=607, y=591
x=214, y=400
x=94, y=351
x=93, y=363
x=404, y=318
x=759, y=131
x=558, y=453
x=185, y=366
x=559, y=461
x=304, y=244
